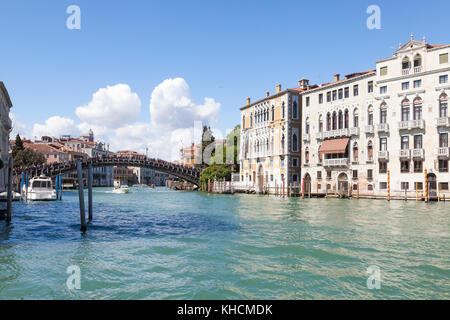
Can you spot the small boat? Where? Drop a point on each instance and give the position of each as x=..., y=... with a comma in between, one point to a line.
x=15, y=196
x=40, y=189
x=152, y=186
x=121, y=189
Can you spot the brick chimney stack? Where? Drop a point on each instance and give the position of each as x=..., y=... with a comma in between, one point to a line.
x=337, y=76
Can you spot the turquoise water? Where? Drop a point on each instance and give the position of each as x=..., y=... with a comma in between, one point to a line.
x=162, y=244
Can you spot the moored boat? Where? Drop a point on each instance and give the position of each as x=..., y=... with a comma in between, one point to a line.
x=40, y=189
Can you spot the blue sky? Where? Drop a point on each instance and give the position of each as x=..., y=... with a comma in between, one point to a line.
x=224, y=50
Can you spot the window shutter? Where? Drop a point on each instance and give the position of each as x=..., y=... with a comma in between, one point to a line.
x=443, y=58
x=383, y=71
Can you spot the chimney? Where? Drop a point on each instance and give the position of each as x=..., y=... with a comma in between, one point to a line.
x=279, y=88
x=304, y=84
x=337, y=76
x=267, y=94
x=248, y=101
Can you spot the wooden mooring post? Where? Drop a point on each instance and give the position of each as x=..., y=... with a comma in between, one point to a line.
x=10, y=190
x=81, y=196
x=90, y=178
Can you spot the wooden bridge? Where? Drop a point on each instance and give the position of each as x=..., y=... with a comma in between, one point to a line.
x=188, y=174
x=54, y=170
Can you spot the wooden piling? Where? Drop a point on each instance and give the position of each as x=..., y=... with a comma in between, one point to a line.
x=417, y=192
x=438, y=192
x=81, y=196
x=10, y=190
x=90, y=178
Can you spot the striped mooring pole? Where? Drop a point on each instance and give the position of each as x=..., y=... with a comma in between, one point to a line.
x=389, y=185
x=426, y=185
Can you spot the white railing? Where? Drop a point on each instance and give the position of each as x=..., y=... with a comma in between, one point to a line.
x=443, y=152
x=343, y=133
x=417, y=124
x=411, y=124
x=443, y=122
x=417, y=69
x=319, y=135
x=306, y=137
x=335, y=162
x=405, y=154
x=405, y=72
x=354, y=131
x=418, y=153
x=369, y=129
x=383, y=127
x=336, y=133
x=383, y=155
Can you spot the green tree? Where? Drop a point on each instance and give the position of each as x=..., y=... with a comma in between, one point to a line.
x=18, y=146
x=217, y=171
x=207, y=144
x=28, y=157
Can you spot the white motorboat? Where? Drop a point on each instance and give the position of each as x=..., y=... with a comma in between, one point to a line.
x=40, y=189
x=121, y=189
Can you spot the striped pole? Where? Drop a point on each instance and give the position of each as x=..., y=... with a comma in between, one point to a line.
x=426, y=185
x=22, y=181
x=389, y=185
x=26, y=187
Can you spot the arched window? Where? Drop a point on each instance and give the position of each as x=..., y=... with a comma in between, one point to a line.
x=282, y=111
x=370, y=115
x=341, y=120
x=273, y=113
x=294, y=143
x=346, y=119
x=251, y=120
x=271, y=144
x=334, y=120
x=320, y=124
x=370, y=151
x=406, y=64
x=282, y=144
x=383, y=113
x=328, y=121
x=307, y=126
x=417, y=60
x=267, y=113
x=294, y=110
x=443, y=105
x=355, y=118
x=418, y=109
x=243, y=121
x=306, y=155
x=355, y=152
x=405, y=110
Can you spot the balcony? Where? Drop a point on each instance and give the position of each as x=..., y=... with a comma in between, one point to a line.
x=369, y=129
x=383, y=127
x=443, y=152
x=417, y=69
x=411, y=124
x=336, y=133
x=418, y=153
x=383, y=155
x=354, y=131
x=319, y=135
x=335, y=162
x=443, y=122
x=405, y=72
x=405, y=154
x=307, y=137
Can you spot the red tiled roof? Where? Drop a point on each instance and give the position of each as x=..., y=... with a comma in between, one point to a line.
x=334, y=146
x=43, y=148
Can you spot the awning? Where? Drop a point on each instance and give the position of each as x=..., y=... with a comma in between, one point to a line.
x=334, y=146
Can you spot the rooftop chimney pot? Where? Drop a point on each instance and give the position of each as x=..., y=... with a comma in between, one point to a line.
x=337, y=76
x=279, y=88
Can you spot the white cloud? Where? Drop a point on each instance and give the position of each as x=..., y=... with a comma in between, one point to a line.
x=172, y=107
x=115, y=111
x=55, y=127
x=18, y=128
x=111, y=107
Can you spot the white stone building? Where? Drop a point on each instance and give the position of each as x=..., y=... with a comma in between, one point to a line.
x=6, y=127
x=270, y=141
x=398, y=123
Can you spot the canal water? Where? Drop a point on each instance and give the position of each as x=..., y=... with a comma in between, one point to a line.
x=163, y=244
